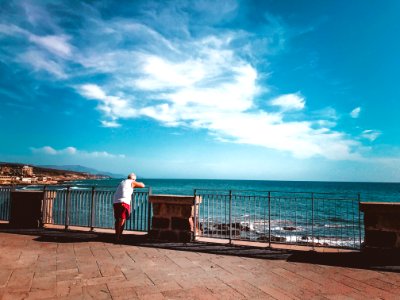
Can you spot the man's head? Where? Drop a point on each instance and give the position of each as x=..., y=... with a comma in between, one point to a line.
x=132, y=176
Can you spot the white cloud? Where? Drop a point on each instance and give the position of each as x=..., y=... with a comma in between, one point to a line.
x=45, y=150
x=110, y=124
x=92, y=91
x=355, y=113
x=371, y=135
x=289, y=102
x=56, y=44
x=11, y=30
x=203, y=83
x=48, y=150
x=113, y=107
x=41, y=62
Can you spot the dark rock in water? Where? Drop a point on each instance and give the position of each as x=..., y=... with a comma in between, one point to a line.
x=278, y=239
x=221, y=226
x=265, y=238
x=304, y=238
x=289, y=228
x=221, y=232
x=245, y=228
x=321, y=244
x=234, y=226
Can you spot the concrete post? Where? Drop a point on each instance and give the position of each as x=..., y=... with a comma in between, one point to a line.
x=173, y=217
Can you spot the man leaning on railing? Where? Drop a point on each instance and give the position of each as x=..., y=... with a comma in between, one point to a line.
x=122, y=202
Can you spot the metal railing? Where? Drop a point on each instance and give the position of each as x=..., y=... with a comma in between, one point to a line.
x=85, y=207
x=312, y=219
x=5, y=203
x=92, y=207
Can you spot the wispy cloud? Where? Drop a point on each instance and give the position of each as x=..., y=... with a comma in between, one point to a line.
x=110, y=124
x=41, y=62
x=371, y=135
x=289, y=102
x=112, y=107
x=355, y=113
x=48, y=150
x=56, y=44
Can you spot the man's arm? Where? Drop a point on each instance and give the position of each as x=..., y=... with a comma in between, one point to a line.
x=136, y=184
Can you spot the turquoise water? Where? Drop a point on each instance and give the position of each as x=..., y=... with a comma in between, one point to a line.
x=368, y=191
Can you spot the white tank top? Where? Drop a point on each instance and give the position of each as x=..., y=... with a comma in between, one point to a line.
x=123, y=194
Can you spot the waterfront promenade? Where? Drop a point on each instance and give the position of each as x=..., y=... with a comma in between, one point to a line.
x=48, y=264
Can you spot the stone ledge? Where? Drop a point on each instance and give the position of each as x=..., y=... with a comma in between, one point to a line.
x=174, y=199
x=381, y=207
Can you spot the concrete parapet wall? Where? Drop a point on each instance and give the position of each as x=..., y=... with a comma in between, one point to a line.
x=173, y=217
x=26, y=209
x=382, y=224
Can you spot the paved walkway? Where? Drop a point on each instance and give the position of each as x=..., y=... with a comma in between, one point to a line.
x=48, y=264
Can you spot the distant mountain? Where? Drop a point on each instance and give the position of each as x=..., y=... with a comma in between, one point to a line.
x=78, y=168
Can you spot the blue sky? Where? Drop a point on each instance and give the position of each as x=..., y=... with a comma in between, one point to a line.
x=274, y=90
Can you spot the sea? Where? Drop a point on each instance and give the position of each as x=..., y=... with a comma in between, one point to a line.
x=367, y=191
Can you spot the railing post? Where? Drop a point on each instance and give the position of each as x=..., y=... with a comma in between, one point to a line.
x=92, y=209
x=148, y=210
x=230, y=216
x=269, y=219
x=195, y=215
x=359, y=218
x=67, y=203
x=312, y=220
x=43, y=208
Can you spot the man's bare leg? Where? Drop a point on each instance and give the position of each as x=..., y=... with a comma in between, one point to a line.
x=119, y=227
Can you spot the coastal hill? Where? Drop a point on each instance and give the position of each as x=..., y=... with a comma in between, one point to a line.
x=83, y=169
x=18, y=173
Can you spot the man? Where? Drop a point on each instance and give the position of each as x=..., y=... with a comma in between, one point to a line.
x=122, y=202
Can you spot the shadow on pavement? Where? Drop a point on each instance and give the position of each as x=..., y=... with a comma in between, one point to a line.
x=374, y=260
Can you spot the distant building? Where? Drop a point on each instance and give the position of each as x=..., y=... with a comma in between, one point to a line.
x=5, y=178
x=26, y=180
x=27, y=171
x=5, y=170
x=42, y=178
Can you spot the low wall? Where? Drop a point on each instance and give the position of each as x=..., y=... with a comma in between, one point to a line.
x=26, y=209
x=382, y=224
x=173, y=217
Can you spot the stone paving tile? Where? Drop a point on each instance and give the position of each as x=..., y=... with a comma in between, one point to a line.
x=5, y=275
x=43, y=283
x=155, y=296
x=224, y=291
x=198, y=293
x=359, y=286
x=43, y=294
x=13, y=295
x=87, y=272
x=20, y=281
x=248, y=290
x=156, y=289
x=96, y=292
x=326, y=287
x=139, y=279
x=70, y=287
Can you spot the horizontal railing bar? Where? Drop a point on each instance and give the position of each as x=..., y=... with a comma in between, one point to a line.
x=198, y=191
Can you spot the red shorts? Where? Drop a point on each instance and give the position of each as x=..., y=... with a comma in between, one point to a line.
x=121, y=210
